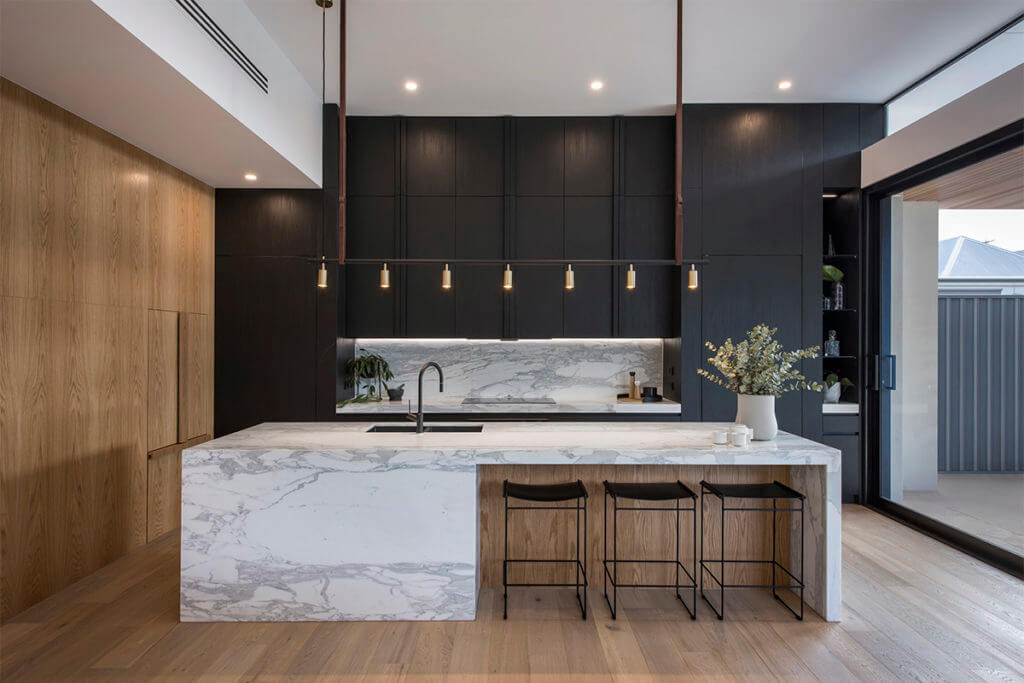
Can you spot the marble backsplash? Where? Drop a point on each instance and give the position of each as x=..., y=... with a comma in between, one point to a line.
x=564, y=369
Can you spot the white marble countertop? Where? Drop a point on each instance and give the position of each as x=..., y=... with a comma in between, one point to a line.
x=526, y=442
x=454, y=405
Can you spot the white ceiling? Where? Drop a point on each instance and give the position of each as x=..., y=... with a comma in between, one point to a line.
x=72, y=53
x=538, y=56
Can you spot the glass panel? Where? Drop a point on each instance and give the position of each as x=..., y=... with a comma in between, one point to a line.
x=952, y=365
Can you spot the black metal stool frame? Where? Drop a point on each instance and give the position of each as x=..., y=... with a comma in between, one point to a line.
x=614, y=574
x=774, y=509
x=581, y=567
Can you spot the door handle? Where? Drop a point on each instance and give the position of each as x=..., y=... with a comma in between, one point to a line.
x=888, y=380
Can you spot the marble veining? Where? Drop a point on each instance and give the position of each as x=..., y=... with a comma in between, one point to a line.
x=568, y=370
x=324, y=521
x=441, y=403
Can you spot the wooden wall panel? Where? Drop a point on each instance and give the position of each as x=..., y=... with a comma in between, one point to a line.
x=93, y=233
x=195, y=376
x=164, y=500
x=162, y=420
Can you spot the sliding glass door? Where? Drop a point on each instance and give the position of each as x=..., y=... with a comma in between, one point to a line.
x=947, y=368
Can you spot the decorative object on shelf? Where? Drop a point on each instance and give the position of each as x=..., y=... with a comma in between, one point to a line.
x=396, y=393
x=634, y=389
x=371, y=372
x=831, y=344
x=758, y=370
x=826, y=303
x=835, y=276
x=830, y=249
x=834, y=387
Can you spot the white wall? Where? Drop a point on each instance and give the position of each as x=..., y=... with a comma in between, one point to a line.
x=915, y=342
x=998, y=103
x=287, y=118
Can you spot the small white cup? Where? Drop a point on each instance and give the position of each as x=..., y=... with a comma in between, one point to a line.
x=739, y=438
x=720, y=436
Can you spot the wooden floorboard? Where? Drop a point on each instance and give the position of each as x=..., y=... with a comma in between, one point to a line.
x=913, y=609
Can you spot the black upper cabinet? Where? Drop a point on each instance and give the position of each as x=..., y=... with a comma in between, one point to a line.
x=589, y=156
x=648, y=150
x=430, y=156
x=648, y=228
x=369, y=309
x=370, y=226
x=538, y=230
x=540, y=156
x=588, y=227
x=268, y=222
x=479, y=227
x=650, y=310
x=430, y=227
x=479, y=302
x=429, y=310
x=537, y=293
x=587, y=309
x=752, y=178
x=479, y=157
x=370, y=153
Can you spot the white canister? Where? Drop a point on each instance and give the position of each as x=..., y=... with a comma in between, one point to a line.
x=720, y=436
x=739, y=437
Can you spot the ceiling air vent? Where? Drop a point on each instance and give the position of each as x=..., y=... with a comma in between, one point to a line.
x=211, y=28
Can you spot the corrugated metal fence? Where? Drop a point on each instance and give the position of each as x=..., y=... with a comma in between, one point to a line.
x=981, y=375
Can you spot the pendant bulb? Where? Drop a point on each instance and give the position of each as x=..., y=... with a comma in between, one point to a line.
x=692, y=279
x=446, y=277
x=321, y=275
x=506, y=282
x=631, y=277
x=385, y=277
x=570, y=277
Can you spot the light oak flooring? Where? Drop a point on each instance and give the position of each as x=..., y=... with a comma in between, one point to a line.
x=913, y=609
x=989, y=506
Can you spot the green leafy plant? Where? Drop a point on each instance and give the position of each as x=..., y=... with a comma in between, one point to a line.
x=372, y=367
x=759, y=365
x=832, y=379
x=831, y=274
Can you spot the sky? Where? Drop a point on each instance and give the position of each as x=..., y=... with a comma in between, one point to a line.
x=1003, y=228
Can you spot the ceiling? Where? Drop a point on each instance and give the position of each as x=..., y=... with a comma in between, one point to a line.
x=995, y=183
x=480, y=57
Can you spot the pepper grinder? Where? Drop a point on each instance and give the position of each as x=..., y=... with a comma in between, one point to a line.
x=633, y=389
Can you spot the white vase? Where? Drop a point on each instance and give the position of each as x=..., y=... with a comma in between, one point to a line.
x=758, y=413
x=833, y=393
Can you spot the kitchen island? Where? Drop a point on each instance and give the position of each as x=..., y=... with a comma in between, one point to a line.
x=330, y=522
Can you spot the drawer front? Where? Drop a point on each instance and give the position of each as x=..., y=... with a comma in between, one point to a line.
x=840, y=424
x=849, y=444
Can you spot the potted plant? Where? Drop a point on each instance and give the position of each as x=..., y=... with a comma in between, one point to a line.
x=832, y=274
x=834, y=387
x=371, y=371
x=758, y=370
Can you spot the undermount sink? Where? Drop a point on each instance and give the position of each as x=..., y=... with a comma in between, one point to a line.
x=411, y=429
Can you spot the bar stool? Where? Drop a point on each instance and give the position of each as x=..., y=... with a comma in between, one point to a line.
x=666, y=491
x=775, y=491
x=549, y=493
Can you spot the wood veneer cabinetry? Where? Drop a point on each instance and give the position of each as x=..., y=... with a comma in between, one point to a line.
x=96, y=236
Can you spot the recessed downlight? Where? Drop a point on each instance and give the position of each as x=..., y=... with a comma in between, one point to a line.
x=596, y=85
x=251, y=177
x=785, y=85
x=412, y=86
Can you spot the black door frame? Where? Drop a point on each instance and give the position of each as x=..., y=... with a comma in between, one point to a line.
x=982, y=148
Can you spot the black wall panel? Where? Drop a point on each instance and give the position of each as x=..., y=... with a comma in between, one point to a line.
x=264, y=341
x=588, y=227
x=479, y=302
x=371, y=226
x=587, y=309
x=738, y=293
x=268, y=222
x=537, y=298
x=649, y=155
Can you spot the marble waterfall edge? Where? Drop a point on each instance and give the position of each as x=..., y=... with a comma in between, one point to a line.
x=297, y=535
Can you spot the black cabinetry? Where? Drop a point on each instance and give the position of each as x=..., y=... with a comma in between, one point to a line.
x=510, y=188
